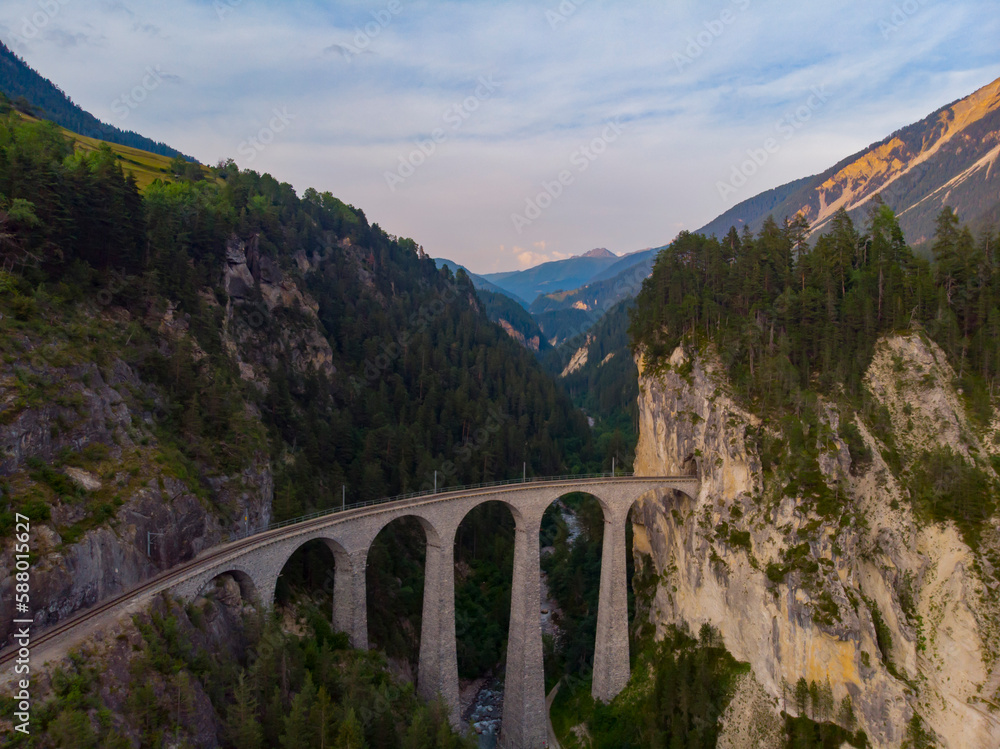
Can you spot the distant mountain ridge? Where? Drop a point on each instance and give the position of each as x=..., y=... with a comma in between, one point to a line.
x=478, y=281
x=599, y=252
x=948, y=158
x=18, y=80
x=557, y=275
x=619, y=281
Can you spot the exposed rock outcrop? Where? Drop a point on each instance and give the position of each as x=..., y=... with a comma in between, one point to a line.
x=579, y=359
x=154, y=520
x=260, y=294
x=804, y=595
x=529, y=343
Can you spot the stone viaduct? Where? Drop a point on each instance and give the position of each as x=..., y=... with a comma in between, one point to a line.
x=350, y=533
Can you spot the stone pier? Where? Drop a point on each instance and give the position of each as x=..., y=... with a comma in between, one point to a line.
x=524, y=717
x=611, y=656
x=258, y=562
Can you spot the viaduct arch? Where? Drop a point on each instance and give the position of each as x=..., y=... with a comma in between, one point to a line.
x=350, y=533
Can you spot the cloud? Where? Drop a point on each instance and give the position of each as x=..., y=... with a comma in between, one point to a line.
x=558, y=85
x=528, y=258
x=66, y=39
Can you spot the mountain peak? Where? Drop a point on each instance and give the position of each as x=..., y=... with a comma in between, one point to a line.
x=947, y=158
x=599, y=252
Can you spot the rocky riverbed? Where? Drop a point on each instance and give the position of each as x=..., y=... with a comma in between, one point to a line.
x=482, y=699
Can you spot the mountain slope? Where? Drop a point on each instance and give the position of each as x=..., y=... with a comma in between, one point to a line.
x=558, y=275
x=838, y=402
x=624, y=263
x=753, y=211
x=213, y=355
x=514, y=319
x=948, y=158
x=18, y=80
x=621, y=281
x=598, y=371
x=478, y=281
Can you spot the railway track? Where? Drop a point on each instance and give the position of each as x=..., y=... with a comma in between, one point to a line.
x=161, y=581
x=167, y=579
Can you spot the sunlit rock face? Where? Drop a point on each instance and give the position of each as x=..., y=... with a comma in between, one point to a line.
x=898, y=615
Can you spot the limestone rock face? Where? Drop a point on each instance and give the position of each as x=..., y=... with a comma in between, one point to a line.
x=579, y=359
x=102, y=408
x=800, y=595
x=749, y=721
x=529, y=343
x=260, y=296
x=227, y=592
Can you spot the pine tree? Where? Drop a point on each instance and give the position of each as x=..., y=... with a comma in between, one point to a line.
x=322, y=719
x=351, y=735
x=299, y=729
x=242, y=723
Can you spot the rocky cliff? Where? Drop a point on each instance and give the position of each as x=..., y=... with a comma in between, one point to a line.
x=819, y=568
x=111, y=499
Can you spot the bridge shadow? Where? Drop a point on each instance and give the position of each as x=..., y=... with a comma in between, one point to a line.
x=233, y=583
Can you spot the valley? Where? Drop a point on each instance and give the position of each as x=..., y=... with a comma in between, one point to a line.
x=273, y=476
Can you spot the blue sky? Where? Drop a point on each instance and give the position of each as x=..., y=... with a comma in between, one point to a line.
x=502, y=134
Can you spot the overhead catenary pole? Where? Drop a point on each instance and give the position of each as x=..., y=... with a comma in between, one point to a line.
x=435, y=482
x=149, y=542
x=343, y=496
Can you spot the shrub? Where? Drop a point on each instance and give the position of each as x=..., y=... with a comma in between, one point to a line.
x=740, y=539
x=861, y=455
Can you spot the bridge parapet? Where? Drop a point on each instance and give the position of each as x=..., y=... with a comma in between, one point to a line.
x=350, y=532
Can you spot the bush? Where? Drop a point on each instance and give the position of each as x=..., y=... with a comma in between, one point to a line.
x=861, y=454
x=740, y=539
x=23, y=307
x=776, y=572
x=945, y=487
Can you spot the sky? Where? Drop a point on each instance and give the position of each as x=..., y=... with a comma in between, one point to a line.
x=505, y=134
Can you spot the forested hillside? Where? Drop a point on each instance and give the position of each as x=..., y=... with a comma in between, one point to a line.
x=839, y=404
x=788, y=319
x=513, y=318
x=215, y=354
x=37, y=95
x=598, y=371
x=415, y=367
